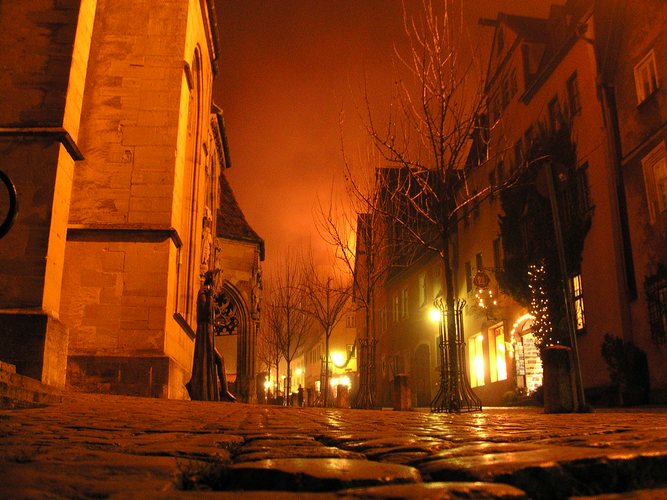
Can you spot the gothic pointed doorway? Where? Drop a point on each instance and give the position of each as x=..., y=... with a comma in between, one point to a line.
x=235, y=340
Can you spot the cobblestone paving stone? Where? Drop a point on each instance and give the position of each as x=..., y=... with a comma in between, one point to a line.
x=123, y=447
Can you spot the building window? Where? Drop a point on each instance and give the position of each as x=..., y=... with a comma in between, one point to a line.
x=404, y=304
x=573, y=100
x=583, y=191
x=476, y=360
x=383, y=320
x=505, y=92
x=654, y=165
x=576, y=200
x=578, y=300
x=351, y=351
x=468, y=268
x=422, y=290
x=497, y=359
x=395, y=309
x=646, y=77
x=350, y=321
x=656, y=298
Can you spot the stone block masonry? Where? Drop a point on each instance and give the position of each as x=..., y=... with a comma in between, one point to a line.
x=44, y=59
x=129, y=236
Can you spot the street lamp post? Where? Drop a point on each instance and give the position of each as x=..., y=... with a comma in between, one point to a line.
x=454, y=393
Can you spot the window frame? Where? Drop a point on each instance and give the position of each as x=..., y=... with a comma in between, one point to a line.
x=404, y=303
x=654, y=158
x=646, y=84
x=577, y=289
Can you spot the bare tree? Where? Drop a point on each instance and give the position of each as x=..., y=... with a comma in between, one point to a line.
x=425, y=142
x=286, y=314
x=327, y=298
x=367, y=259
x=268, y=352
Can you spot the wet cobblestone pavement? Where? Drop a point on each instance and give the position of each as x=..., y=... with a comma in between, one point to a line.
x=123, y=447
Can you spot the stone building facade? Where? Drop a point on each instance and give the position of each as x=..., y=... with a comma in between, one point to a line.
x=597, y=66
x=634, y=66
x=114, y=104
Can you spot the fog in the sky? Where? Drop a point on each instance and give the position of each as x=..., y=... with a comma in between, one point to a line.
x=289, y=69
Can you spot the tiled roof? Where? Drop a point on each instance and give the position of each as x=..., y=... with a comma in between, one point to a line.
x=231, y=222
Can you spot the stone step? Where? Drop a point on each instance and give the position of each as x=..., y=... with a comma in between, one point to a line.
x=17, y=391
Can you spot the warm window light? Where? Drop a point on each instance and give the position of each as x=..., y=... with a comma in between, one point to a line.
x=434, y=314
x=479, y=368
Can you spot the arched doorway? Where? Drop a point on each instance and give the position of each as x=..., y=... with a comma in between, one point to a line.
x=235, y=337
x=421, y=375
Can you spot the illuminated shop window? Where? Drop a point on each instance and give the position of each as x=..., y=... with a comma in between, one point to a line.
x=578, y=299
x=476, y=360
x=501, y=361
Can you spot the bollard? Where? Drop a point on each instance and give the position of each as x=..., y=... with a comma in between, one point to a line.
x=558, y=380
x=401, y=394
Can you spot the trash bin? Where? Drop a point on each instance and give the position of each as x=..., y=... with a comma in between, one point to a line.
x=558, y=380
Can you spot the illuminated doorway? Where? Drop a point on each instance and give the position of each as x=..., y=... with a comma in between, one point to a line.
x=526, y=356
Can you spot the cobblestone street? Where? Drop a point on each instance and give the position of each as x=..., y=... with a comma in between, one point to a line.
x=113, y=446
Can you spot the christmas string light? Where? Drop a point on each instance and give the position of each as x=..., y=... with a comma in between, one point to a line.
x=539, y=305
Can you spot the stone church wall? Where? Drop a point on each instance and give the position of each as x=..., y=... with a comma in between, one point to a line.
x=133, y=247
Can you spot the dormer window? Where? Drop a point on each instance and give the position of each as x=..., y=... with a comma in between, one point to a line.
x=646, y=77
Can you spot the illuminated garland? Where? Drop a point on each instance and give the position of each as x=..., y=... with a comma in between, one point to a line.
x=539, y=306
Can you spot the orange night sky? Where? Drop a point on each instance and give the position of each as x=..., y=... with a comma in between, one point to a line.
x=288, y=69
